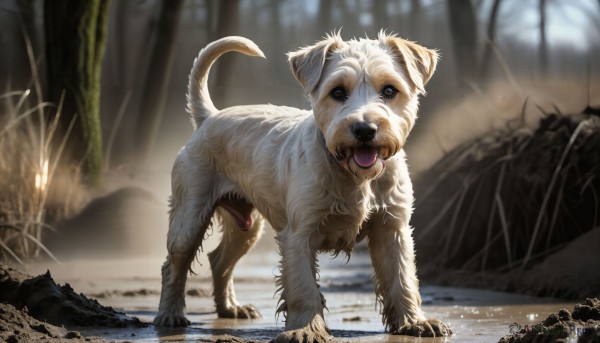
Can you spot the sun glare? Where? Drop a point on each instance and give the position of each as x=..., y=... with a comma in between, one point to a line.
x=41, y=177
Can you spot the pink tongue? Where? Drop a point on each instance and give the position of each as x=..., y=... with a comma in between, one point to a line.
x=365, y=156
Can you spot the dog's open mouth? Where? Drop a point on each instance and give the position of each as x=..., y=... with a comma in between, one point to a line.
x=239, y=208
x=365, y=156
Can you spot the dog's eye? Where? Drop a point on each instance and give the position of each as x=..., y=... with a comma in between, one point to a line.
x=388, y=92
x=339, y=94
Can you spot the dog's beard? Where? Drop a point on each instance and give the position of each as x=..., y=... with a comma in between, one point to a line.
x=365, y=159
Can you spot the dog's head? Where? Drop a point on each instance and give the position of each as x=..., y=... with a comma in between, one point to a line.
x=364, y=95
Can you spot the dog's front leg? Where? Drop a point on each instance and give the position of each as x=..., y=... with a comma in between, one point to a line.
x=397, y=287
x=301, y=301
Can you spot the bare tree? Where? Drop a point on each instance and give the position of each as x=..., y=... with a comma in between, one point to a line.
x=491, y=40
x=227, y=23
x=158, y=76
x=75, y=36
x=415, y=16
x=380, y=12
x=324, y=17
x=463, y=27
x=543, y=41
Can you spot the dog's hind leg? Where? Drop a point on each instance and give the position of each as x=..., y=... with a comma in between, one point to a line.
x=192, y=207
x=234, y=244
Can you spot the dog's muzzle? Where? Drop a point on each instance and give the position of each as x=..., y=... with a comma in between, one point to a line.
x=364, y=155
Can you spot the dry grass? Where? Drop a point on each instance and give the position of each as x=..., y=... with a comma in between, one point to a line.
x=35, y=189
x=32, y=194
x=511, y=197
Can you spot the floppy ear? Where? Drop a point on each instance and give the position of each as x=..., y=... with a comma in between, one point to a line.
x=418, y=61
x=308, y=62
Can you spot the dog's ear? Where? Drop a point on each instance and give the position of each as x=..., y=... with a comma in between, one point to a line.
x=308, y=62
x=418, y=61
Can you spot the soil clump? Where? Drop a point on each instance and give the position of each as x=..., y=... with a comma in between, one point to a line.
x=36, y=309
x=583, y=323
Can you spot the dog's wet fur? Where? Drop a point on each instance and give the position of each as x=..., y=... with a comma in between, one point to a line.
x=323, y=179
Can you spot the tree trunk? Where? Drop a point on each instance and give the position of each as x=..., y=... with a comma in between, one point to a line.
x=380, y=13
x=414, y=19
x=227, y=24
x=323, y=18
x=463, y=27
x=491, y=41
x=157, y=77
x=543, y=41
x=75, y=35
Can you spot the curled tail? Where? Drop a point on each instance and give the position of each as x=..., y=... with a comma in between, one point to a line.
x=199, y=104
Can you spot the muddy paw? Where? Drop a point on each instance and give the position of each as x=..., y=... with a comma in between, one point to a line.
x=171, y=320
x=304, y=335
x=240, y=312
x=426, y=328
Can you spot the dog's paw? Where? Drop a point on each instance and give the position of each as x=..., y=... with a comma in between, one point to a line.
x=425, y=328
x=170, y=320
x=239, y=312
x=304, y=335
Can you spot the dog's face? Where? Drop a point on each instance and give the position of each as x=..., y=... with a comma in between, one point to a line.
x=364, y=95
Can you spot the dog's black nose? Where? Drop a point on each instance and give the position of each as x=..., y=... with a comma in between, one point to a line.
x=364, y=132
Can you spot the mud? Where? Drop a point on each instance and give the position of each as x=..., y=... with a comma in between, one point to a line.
x=18, y=326
x=133, y=288
x=583, y=323
x=568, y=273
x=475, y=316
x=58, y=305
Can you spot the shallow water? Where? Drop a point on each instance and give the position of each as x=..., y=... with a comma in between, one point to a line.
x=474, y=315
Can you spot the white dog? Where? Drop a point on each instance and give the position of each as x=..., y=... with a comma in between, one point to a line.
x=323, y=179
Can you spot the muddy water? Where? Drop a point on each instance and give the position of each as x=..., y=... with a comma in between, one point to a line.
x=474, y=315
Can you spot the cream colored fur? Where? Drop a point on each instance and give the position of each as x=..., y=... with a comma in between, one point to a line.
x=301, y=171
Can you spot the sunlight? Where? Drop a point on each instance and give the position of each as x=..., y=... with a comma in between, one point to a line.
x=41, y=178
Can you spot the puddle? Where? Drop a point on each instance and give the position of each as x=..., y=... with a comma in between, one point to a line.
x=134, y=286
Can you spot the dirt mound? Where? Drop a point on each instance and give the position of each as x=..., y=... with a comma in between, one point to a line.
x=18, y=326
x=503, y=203
x=568, y=273
x=583, y=324
x=58, y=305
x=120, y=223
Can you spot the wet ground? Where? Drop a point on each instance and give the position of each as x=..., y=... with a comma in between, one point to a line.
x=133, y=285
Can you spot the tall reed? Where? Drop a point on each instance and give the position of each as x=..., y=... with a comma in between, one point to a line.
x=30, y=162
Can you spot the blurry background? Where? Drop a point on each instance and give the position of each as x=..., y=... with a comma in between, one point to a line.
x=497, y=52
x=504, y=65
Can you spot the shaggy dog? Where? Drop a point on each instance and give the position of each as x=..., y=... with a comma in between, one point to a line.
x=324, y=179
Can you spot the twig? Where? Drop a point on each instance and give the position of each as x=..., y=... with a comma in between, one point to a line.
x=457, y=208
x=41, y=246
x=113, y=131
x=549, y=191
x=468, y=216
x=11, y=253
x=433, y=223
x=22, y=116
x=504, y=223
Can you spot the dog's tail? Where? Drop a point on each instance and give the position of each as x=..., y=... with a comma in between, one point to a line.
x=199, y=104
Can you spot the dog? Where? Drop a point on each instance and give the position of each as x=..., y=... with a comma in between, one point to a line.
x=324, y=179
